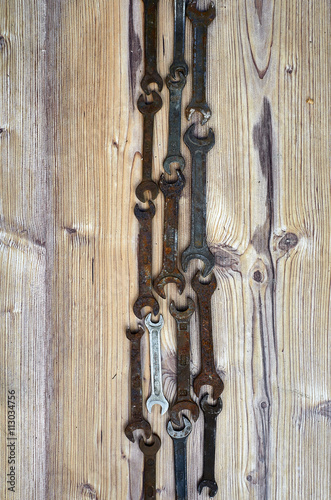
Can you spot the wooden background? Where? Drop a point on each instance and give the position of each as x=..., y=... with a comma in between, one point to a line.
x=71, y=143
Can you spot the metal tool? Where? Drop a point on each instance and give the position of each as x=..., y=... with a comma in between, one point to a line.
x=183, y=400
x=157, y=396
x=198, y=248
x=150, y=32
x=175, y=93
x=179, y=63
x=170, y=272
x=207, y=374
x=209, y=441
x=146, y=297
x=137, y=420
x=179, y=438
x=148, y=109
x=149, y=481
x=200, y=21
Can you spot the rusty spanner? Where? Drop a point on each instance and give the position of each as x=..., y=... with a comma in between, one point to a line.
x=200, y=20
x=198, y=248
x=208, y=374
x=183, y=400
x=150, y=32
x=157, y=396
x=179, y=438
x=179, y=63
x=149, y=480
x=210, y=414
x=170, y=272
x=146, y=297
x=148, y=109
x=137, y=420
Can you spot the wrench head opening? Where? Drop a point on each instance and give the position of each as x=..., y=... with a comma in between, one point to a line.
x=134, y=336
x=157, y=400
x=196, y=16
x=151, y=324
x=211, y=409
x=145, y=186
x=181, y=433
x=208, y=483
x=173, y=159
x=203, y=254
x=172, y=188
x=150, y=449
x=201, y=144
x=149, y=78
x=133, y=426
x=205, y=290
x=184, y=314
x=212, y=379
x=145, y=301
x=184, y=405
x=165, y=278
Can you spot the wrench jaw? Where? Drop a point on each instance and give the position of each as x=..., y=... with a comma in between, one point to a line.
x=178, y=407
x=199, y=144
x=184, y=315
x=141, y=424
x=145, y=186
x=172, y=188
x=157, y=400
x=153, y=324
x=164, y=278
x=172, y=159
x=150, y=449
x=204, y=290
x=182, y=433
x=212, y=379
x=196, y=16
x=208, y=483
x=213, y=410
x=204, y=254
x=201, y=107
x=145, y=301
x=148, y=79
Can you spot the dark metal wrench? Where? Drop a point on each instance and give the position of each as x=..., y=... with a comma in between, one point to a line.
x=209, y=441
x=148, y=109
x=175, y=92
x=183, y=400
x=149, y=481
x=208, y=374
x=179, y=63
x=137, y=420
x=170, y=272
x=200, y=21
x=146, y=297
x=150, y=32
x=198, y=248
x=179, y=439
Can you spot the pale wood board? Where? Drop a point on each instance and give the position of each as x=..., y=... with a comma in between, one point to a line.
x=71, y=144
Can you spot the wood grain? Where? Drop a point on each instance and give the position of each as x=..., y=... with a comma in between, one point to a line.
x=71, y=157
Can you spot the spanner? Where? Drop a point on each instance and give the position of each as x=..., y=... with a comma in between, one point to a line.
x=148, y=109
x=179, y=63
x=137, y=420
x=179, y=439
x=170, y=272
x=157, y=396
x=183, y=400
x=146, y=297
x=200, y=21
x=175, y=92
x=210, y=415
x=208, y=374
x=150, y=32
x=149, y=481
x=198, y=248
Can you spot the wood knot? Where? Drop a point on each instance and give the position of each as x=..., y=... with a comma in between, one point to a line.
x=258, y=276
x=288, y=241
x=88, y=491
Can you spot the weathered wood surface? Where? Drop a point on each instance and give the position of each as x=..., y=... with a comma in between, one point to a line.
x=71, y=147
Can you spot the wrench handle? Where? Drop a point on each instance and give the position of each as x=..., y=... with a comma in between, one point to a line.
x=183, y=361
x=199, y=63
x=155, y=354
x=198, y=227
x=179, y=63
x=209, y=447
x=180, y=468
x=149, y=479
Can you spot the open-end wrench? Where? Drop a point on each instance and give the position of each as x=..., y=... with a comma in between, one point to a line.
x=175, y=92
x=208, y=374
x=150, y=32
x=179, y=439
x=137, y=420
x=198, y=248
x=183, y=400
x=210, y=414
x=149, y=481
x=179, y=63
x=148, y=109
x=170, y=272
x=157, y=396
x=146, y=297
x=200, y=21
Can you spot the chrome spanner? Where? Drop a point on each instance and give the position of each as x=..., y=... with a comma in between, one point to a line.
x=157, y=396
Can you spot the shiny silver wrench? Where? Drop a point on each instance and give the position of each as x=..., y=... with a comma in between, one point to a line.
x=157, y=396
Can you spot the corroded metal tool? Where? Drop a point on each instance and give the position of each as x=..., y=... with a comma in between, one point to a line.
x=145, y=297
x=170, y=272
x=198, y=248
x=157, y=396
x=149, y=481
x=150, y=31
x=208, y=374
x=183, y=399
x=210, y=414
x=137, y=420
x=200, y=21
x=179, y=438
